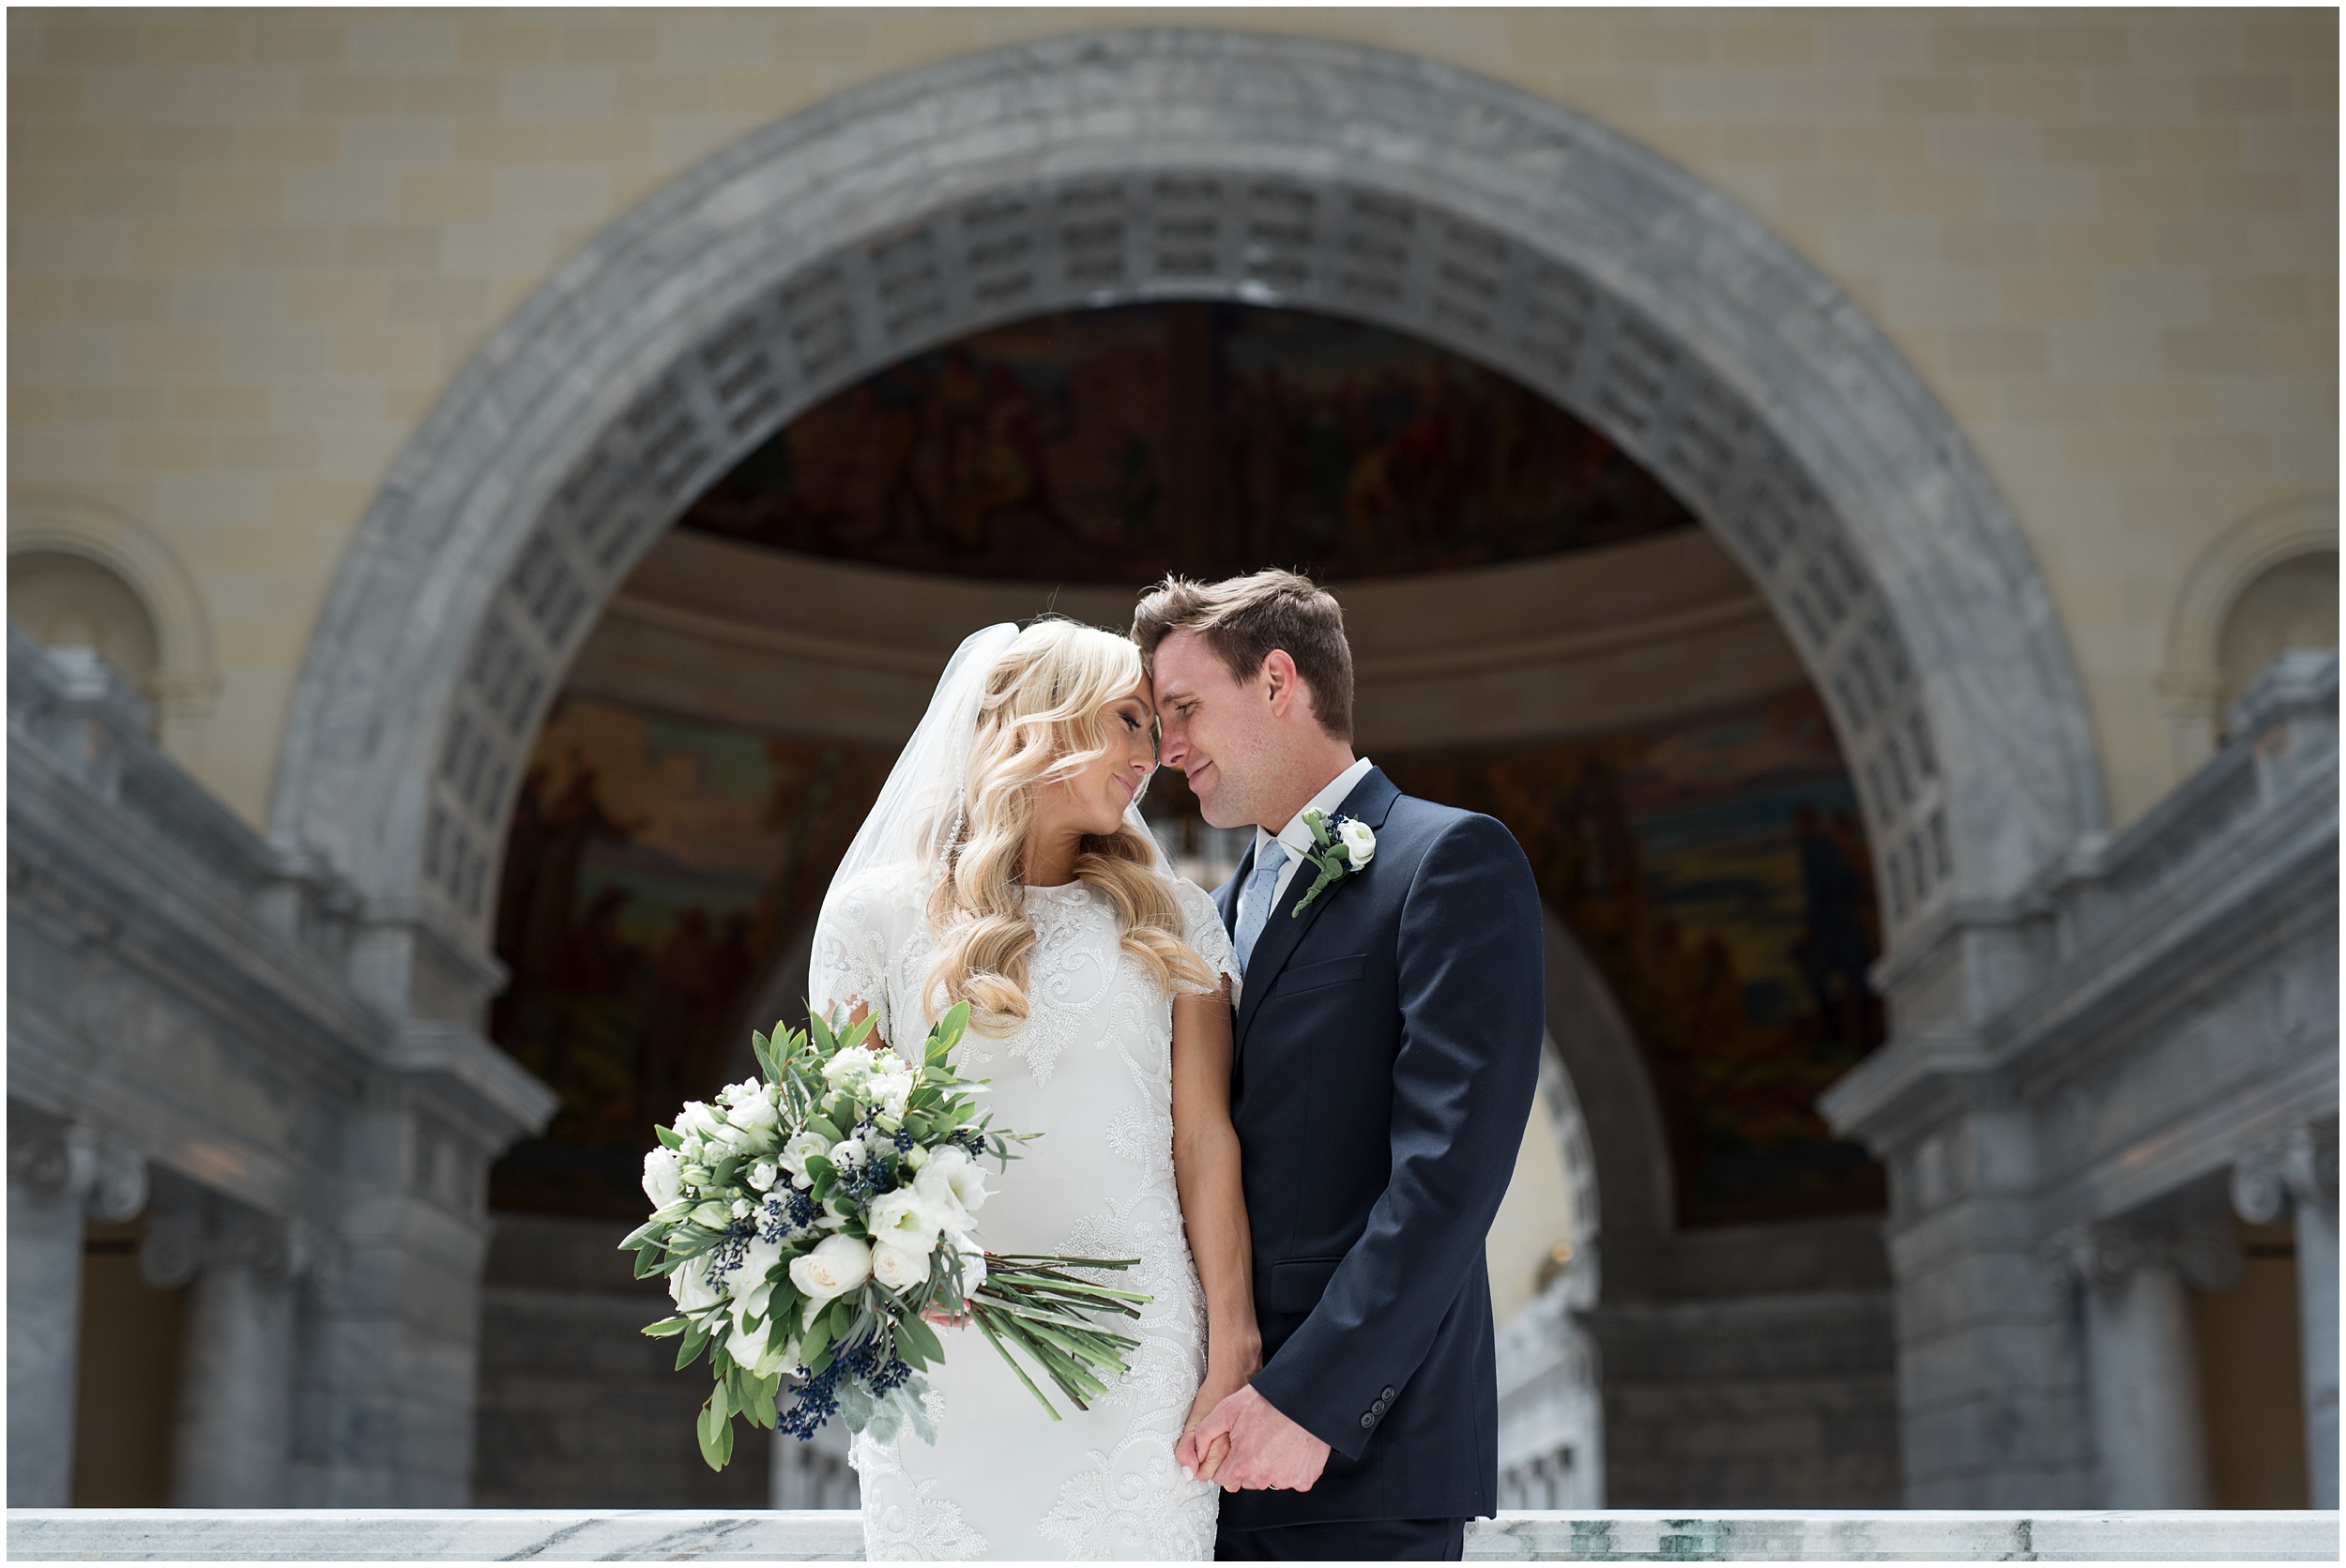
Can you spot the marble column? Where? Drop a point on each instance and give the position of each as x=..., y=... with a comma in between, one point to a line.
x=233, y=1431
x=2142, y=1374
x=58, y=1172
x=2296, y=1174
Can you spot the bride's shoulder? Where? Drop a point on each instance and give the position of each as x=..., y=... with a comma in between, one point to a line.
x=876, y=896
x=1195, y=902
x=1201, y=924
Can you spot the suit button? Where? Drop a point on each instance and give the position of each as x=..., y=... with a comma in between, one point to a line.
x=1369, y=1419
x=1386, y=1396
x=1378, y=1408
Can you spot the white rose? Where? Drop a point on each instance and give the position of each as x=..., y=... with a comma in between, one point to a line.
x=753, y=1275
x=689, y=1286
x=890, y=1090
x=663, y=1176
x=745, y=1345
x=936, y=1189
x=847, y=1067
x=801, y=1148
x=761, y=1350
x=972, y=1265
x=898, y=1268
x=698, y=1120
x=1359, y=844
x=762, y=1175
x=846, y=1154
x=837, y=1265
x=905, y=1219
x=953, y=1183
x=755, y=1116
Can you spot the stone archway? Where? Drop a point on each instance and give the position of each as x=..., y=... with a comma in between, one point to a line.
x=1094, y=170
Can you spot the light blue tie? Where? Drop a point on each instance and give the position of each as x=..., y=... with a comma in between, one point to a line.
x=1258, y=890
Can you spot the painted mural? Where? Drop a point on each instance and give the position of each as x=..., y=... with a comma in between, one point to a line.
x=657, y=871
x=1716, y=873
x=1116, y=445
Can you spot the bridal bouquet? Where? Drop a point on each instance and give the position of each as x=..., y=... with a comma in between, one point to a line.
x=809, y=1218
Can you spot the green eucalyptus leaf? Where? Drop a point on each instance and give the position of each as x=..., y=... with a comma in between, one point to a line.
x=914, y=1334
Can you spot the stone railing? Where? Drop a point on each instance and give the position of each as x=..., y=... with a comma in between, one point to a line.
x=646, y=1535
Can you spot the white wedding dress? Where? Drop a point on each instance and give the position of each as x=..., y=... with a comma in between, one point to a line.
x=1091, y=1072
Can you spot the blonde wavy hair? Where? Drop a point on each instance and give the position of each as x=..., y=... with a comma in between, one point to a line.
x=1040, y=721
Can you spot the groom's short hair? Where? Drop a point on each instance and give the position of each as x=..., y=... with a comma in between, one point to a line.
x=1243, y=618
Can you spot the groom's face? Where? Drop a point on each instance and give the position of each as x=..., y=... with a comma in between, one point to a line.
x=1214, y=729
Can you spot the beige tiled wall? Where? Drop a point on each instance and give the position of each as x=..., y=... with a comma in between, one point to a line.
x=247, y=249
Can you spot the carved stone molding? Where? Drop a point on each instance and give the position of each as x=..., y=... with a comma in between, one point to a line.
x=2299, y=1165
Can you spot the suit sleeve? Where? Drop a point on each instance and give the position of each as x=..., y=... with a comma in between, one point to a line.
x=1471, y=992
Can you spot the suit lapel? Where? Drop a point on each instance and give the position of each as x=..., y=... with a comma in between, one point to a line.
x=1370, y=800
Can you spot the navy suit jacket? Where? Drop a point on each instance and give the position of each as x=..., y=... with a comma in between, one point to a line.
x=1388, y=1043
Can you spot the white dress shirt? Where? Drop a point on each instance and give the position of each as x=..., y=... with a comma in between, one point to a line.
x=1297, y=837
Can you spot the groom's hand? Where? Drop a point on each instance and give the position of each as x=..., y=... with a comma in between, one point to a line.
x=1268, y=1452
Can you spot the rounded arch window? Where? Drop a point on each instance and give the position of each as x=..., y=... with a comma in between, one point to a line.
x=67, y=601
x=2292, y=604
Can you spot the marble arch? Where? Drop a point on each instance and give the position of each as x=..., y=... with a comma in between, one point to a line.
x=1096, y=169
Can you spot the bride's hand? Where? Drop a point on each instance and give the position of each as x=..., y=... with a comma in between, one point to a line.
x=946, y=1319
x=1222, y=1379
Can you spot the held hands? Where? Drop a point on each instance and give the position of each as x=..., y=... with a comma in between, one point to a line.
x=1224, y=1377
x=1250, y=1446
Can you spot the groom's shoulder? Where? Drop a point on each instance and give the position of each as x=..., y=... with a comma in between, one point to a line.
x=1425, y=823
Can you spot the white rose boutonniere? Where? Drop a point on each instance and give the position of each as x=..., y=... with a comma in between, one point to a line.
x=1341, y=846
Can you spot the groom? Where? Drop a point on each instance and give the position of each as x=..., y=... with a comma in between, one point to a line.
x=1386, y=1045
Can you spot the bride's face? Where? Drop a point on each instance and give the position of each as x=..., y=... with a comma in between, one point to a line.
x=1095, y=800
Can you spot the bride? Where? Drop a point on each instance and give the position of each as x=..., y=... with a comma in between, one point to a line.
x=1005, y=865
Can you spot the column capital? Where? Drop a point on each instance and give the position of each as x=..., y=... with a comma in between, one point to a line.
x=2297, y=1166
x=188, y=1239
x=76, y=1162
x=2108, y=1252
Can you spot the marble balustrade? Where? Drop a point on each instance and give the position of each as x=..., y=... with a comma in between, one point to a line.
x=646, y=1535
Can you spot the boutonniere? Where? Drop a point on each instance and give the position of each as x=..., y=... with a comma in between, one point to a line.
x=1340, y=846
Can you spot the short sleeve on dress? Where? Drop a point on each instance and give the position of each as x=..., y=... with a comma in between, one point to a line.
x=853, y=940
x=1201, y=927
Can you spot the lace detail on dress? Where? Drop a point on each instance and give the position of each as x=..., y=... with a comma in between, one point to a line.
x=902, y=1522
x=1133, y=1505
x=848, y=965
x=1202, y=928
x=1065, y=976
x=1145, y=1139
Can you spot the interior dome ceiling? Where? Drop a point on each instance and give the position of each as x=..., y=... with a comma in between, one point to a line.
x=1113, y=446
